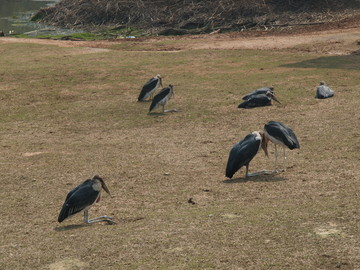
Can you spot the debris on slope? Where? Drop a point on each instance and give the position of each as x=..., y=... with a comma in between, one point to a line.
x=176, y=17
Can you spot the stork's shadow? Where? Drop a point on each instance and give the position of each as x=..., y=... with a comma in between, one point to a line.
x=79, y=226
x=257, y=178
x=70, y=227
x=145, y=101
x=166, y=112
x=131, y=219
x=156, y=114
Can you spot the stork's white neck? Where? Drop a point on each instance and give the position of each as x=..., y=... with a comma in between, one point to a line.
x=258, y=136
x=97, y=186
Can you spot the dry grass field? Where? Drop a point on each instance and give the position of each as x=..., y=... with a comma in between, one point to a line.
x=68, y=113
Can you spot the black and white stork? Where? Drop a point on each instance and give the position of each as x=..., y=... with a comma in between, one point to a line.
x=323, y=91
x=279, y=133
x=259, y=100
x=162, y=98
x=262, y=90
x=82, y=197
x=150, y=87
x=243, y=152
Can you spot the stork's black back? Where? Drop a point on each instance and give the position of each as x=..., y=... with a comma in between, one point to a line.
x=323, y=91
x=259, y=100
x=78, y=199
x=159, y=97
x=262, y=90
x=282, y=133
x=242, y=153
x=148, y=86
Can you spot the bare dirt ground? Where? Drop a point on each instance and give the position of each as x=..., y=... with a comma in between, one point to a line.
x=69, y=111
x=333, y=38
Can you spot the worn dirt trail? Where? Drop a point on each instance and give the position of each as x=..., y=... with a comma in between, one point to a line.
x=337, y=41
x=344, y=40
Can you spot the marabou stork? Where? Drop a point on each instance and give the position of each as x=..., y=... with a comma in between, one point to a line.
x=259, y=100
x=243, y=152
x=323, y=91
x=82, y=198
x=150, y=87
x=262, y=90
x=280, y=134
x=162, y=98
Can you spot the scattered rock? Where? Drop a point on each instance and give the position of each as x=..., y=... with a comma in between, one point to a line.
x=328, y=230
x=191, y=201
x=30, y=154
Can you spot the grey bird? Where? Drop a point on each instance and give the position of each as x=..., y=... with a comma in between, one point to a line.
x=262, y=90
x=243, y=152
x=280, y=134
x=82, y=197
x=323, y=91
x=162, y=98
x=150, y=87
x=259, y=100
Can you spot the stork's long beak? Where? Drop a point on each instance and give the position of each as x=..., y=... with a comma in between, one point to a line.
x=105, y=188
x=161, y=82
x=264, y=144
x=274, y=98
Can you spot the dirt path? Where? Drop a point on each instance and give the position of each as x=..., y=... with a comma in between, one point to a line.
x=342, y=41
x=334, y=41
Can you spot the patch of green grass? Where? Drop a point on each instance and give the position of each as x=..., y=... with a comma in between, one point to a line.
x=96, y=34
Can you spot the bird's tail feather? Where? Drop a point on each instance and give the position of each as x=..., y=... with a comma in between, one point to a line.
x=68, y=211
x=64, y=213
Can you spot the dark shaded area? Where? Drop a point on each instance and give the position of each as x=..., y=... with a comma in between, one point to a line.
x=311, y=5
x=70, y=227
x=176, y=17
x=130, y=219
x=338, y=62
x=258, y=178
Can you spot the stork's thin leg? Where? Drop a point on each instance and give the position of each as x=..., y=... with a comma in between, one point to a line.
x=261, y=173
x=163, y=108
x=102, y=218
x=86, y=216
x=172, y=110
x=98, y=219
x=275, y=158
x=247, y=174
x=284, y=169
